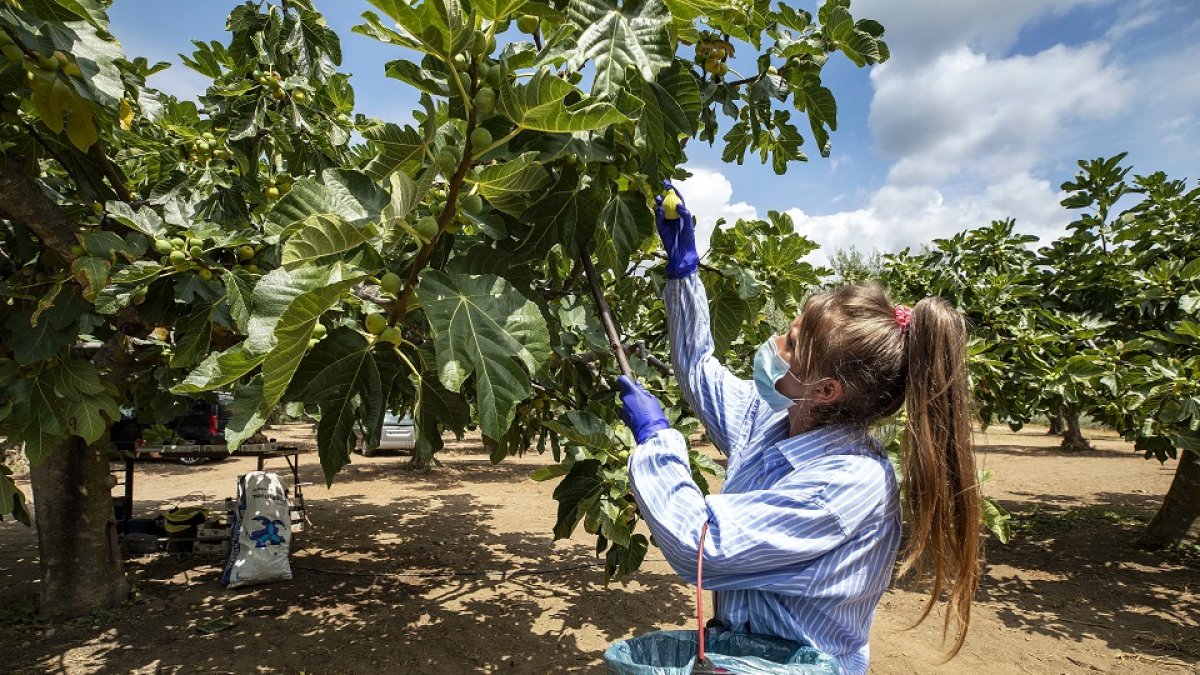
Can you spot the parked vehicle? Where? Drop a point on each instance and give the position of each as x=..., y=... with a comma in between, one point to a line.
x=398, y=433
x=202, y=424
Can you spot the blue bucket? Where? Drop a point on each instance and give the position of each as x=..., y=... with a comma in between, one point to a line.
x=673, y=652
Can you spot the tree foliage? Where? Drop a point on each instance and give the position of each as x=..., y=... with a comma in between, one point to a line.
x=251, y=241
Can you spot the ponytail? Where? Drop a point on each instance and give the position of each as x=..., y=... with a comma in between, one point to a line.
x=941, y=494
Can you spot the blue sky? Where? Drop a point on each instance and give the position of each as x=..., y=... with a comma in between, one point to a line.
x=980, y=114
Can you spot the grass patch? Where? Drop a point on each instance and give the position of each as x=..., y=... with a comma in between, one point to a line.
x=19, y=617
x=1039, y=523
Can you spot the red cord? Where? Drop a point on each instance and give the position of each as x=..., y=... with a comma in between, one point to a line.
x=700, y=593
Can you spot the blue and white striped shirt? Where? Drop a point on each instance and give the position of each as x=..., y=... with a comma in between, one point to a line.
x=803, y=536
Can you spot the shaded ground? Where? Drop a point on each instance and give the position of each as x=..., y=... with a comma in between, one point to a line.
x=454, y=571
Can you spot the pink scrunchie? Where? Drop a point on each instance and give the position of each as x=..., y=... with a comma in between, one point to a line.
x=903, y=316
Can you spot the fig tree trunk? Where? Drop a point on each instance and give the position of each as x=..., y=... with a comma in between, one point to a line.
x=1179, y=518
x=1073, y=439
x=1056, y=425
x=77, y=531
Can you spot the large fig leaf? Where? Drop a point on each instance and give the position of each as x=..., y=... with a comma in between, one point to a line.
x=482, y=325
x=634, y=34
x=541, y=105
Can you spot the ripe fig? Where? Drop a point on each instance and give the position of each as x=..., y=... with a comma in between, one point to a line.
x=671, y=202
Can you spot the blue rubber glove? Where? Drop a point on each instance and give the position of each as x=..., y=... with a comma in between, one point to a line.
x=640, y=411
x=678, y=236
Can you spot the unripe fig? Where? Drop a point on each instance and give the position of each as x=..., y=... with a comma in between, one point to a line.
x=272, y=193
x=245, y=253
x=485, y=100
x=97, y=208
x=426, y=228
x=319, y=331
x=375, y=323
x=76, y=250
x=481, y=138
x=447, y=162
x=472, y=203
x=251, y=268
x=300, y=96
x=178, y=258
x=205, y=274
x=391, y=282
x=527, y=24
x=48, y=63
x=62, y=59
x=163, y=247
x=391, y=334
x=195, y=251
x=461, y=62
x=178, y=243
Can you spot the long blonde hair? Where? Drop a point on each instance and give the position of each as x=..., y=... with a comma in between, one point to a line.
x=852, y=334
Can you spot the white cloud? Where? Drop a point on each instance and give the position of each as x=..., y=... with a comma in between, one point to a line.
x=900, y=216
x=968, y=129
x=708, y=195
x=966, y=112
x=919, y=30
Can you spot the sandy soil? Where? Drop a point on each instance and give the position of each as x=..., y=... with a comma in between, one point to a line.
x=455, y=571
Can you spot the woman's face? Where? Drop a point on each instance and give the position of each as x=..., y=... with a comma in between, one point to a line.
x=790, y=385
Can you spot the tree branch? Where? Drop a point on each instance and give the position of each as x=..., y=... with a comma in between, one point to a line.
x=606, y=318
x=110, y=172
x=453, y=185
x=745, y=80
x=22, y=201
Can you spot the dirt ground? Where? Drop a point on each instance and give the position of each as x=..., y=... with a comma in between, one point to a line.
x=454, y=571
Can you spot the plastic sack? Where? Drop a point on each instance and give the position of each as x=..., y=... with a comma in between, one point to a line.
x=260, y=534
x=673, y=652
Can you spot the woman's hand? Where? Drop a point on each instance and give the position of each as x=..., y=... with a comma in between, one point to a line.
x=678, y=236
x=640, y=411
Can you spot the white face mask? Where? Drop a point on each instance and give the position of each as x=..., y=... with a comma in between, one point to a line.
x=769, y=368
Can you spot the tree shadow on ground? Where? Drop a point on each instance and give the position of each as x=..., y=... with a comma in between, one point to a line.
x=414, y=583
x=1056, y=451
x=1076, y=573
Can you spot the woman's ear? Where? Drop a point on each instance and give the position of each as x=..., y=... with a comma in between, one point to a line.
x=826, y=392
